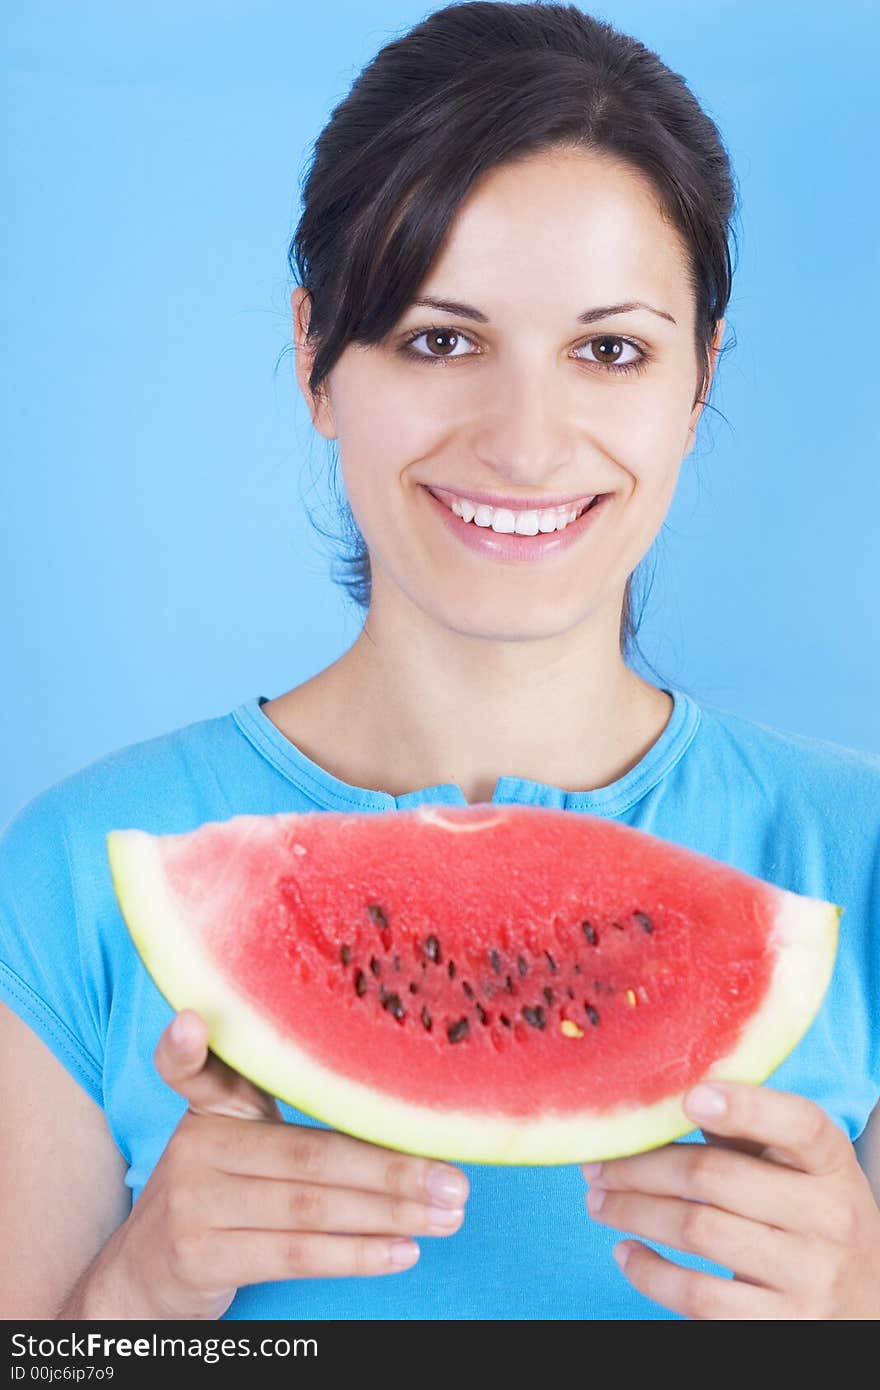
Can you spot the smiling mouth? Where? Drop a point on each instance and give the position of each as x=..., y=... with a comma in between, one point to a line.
x=502, y=520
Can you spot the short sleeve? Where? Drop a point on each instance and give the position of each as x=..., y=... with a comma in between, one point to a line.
x=43, y=977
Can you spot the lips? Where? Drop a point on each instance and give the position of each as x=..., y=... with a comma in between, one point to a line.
x=512, y=504
x=512, y=546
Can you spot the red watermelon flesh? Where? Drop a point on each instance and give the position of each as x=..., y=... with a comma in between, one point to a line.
x=500, y=983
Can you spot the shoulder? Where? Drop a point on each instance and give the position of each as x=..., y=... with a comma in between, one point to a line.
x=56, y=893
x=65, y=956
x=784, y=763
x=804, y=812
x=157, y=780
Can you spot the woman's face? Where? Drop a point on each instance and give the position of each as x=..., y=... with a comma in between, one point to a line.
x=526, y=403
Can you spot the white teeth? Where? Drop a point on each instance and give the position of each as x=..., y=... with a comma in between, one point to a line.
x=500, y=519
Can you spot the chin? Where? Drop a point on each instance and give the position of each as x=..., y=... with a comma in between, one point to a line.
x=496, y=618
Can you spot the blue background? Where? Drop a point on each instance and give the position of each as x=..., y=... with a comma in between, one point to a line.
x=157, y=565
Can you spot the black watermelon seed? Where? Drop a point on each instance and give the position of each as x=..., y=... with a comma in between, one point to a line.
x=551, y=962
x=360, y=983
x=345, y=955
x=451, y=969
x=505, y=1020
x=377, y=915
x=413, y=987
x=534, y=1016
x=618, y=926
x=577, y=970
x=458, y=1030
x=481, y=1013
x=644, y=921
x=397, y=962
x=521, y=966
x=467, y=989
x=495, y=961
x=590, y=933
x=592, y=1014
x=548, y=994
x=392, y=1003
x=426, y=1019
x=432, y=949
x=375, y=965
x=570, y=992
x=509, y=985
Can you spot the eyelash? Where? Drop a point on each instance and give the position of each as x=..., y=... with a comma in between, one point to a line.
x=620, y=369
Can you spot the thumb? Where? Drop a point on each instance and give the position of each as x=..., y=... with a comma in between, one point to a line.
x=184, y=1061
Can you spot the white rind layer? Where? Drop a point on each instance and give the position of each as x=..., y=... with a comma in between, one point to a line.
x=805, y=931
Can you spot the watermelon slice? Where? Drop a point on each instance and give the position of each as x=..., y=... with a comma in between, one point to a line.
x=492, y=984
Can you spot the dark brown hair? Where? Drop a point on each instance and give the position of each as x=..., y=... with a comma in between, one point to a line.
x=473, y=86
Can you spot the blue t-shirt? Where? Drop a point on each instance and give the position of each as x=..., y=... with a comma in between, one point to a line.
x=799, y=812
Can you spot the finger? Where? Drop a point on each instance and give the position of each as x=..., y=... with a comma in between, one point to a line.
x=693, y=1294
x=743, y=1146
x=232, y=1202
x=748, y=1186
x=760, y=1253
x=184, y=1062
x=255, y=1257
x=331, y=1159
x=794, y=1131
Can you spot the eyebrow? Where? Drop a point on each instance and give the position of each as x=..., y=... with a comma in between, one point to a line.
x=467, y=311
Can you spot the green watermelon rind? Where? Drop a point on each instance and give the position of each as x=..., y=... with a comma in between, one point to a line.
x=805, y=932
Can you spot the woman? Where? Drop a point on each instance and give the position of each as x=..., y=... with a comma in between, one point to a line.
x=513, y=270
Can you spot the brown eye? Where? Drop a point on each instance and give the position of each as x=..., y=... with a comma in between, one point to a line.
x=444, y=340
x=442, y=343
x=607, y=349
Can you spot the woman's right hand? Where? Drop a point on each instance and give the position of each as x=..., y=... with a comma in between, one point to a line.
x=240, y=1197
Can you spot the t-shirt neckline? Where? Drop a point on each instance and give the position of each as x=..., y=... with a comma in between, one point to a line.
x=333, y=794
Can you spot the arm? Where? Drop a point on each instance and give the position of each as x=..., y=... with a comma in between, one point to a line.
x=867, y=1148
x=63, y=1191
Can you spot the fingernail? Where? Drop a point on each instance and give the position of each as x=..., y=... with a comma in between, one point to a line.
x=447, y=1217
x=595, y=1198
x=591, y=1170
x=705, y=1100
x=403, y=1253
x=448, y=1186
x=621, y=1254
x=181, y=1032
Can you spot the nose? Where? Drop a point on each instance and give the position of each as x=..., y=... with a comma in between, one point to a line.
x=524, y=434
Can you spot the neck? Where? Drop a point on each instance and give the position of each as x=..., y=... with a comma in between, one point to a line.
x=409, y=706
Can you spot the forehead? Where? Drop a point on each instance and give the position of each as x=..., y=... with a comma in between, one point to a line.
x=567, y=228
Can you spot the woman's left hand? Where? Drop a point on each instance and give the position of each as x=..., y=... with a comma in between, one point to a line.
x=776, y=1195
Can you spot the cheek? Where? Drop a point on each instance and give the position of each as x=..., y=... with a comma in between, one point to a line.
x=383, y=430
x=384, y=421
x=642, y=425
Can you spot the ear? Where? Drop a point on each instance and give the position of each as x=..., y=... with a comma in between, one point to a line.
x=714, y=349
x=319, y=405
